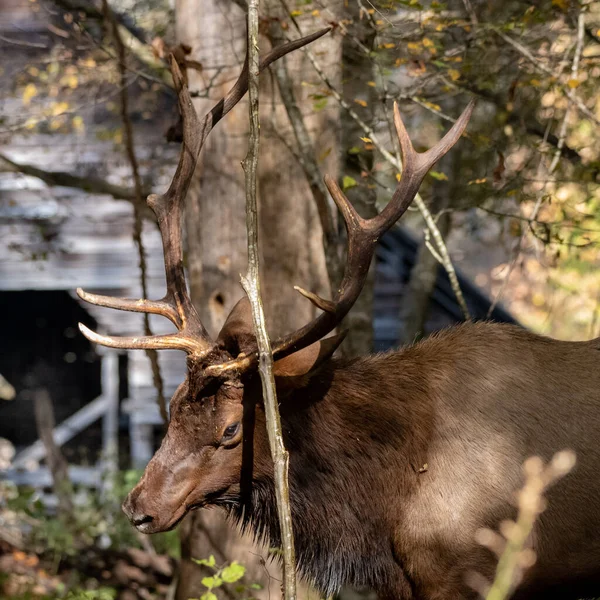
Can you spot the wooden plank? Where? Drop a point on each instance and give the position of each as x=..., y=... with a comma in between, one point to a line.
x=67, y=430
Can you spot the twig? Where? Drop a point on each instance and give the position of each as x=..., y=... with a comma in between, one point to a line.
x=542, y=67
x=509, y=545
x=397, y=163
x=139, y=202
x=22, y=43
x=553, y=165
x=251, y=284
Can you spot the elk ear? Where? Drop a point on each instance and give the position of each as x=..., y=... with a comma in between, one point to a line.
x=237, y=334
x=292, y=370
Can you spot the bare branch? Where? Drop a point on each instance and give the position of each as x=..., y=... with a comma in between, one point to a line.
x=542, y=67
x=139, y=202
x=91, y=185
x=397, y=163
x=251, y=284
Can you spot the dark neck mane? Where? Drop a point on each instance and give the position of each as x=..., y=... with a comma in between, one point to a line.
x=350, y=424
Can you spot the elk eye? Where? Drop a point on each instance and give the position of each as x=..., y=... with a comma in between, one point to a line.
x=231, y=431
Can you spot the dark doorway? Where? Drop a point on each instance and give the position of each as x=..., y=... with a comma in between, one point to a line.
x=42, y=347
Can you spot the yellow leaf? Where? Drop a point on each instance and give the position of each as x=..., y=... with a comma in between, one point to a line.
x=33, y=71
x=573, y=83
x=70, y=81
x=58, y=108
x=361, y=102
x=433, y=106
x=535, y=82
x=388, y=45
x=28, y=93
x=379, y=22
x=371, y=83
x=366, y=140
x=398, y=176
x=400, y=61
x=477, y=181
x=78, y=124
x=413, y=46
x=454, y=74
x=427, y=42
x=296, y=13
x=88, y=62
x=315, y=13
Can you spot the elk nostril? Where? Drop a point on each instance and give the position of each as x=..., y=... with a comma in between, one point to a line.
x=138, y=520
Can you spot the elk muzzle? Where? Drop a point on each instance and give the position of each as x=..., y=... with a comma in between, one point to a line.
x=162, y=497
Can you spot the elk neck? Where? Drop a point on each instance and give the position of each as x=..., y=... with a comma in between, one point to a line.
x=357, y=434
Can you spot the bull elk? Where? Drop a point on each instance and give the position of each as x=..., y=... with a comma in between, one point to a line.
x=471, y=402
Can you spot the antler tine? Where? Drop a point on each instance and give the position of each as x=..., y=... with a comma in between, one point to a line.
x=168, y=208
x=174, y=341
x=415, y=167
x=363, y=235
x=155, y=307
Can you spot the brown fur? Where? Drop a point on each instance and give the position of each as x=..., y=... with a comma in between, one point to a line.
x=471, y=403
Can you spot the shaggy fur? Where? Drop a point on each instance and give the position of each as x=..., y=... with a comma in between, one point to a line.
x=396, y=460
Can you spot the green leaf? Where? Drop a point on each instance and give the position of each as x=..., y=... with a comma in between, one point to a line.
x=348, y=182
x=212, y=582
x=439, y=175
x=256, y=586
x=354, y=150
x=208, y=596
x=233, y=572
x=205, y=562
x=320, y=104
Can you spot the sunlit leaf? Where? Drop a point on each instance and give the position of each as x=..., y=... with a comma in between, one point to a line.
x=77, y=123
x=348, y=182
x=454, y=74
x=439, y=175
x=233, y=572
x=29, y=92
x=360, y=102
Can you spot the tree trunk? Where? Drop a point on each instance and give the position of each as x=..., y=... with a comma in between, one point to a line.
x=417, y=297
x=291, y=239
x=357, y=70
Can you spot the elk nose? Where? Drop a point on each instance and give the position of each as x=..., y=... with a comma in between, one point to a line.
x=140, y=519
x=134, y=514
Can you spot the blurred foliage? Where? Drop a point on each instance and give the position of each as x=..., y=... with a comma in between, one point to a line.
x=531, y=66
x=225, y=575
x=96, y=520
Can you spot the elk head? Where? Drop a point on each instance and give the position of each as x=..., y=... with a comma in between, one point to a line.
x=200, y=459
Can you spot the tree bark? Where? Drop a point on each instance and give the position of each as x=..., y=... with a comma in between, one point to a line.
x=416, y=300
x=292, y=249
x=357, y=70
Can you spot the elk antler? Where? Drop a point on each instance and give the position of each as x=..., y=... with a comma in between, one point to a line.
x=177, y=306
x=363, y=235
